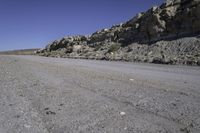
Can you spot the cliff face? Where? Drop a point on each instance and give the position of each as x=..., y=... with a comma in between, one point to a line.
x=165, y=34
x=175, y=18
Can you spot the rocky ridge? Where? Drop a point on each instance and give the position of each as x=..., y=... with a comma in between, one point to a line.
x=168, y=34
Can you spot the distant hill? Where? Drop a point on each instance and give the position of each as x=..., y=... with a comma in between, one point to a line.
x=19, y=52
x=168, y=34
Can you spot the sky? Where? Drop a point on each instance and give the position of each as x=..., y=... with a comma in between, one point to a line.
x=34, y=23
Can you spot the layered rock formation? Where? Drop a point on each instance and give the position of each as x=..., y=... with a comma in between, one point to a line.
x=165, y=34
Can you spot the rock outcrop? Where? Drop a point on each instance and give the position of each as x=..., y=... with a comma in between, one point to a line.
x=165, y=34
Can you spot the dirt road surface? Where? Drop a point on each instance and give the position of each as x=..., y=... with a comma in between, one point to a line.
x=52, y=95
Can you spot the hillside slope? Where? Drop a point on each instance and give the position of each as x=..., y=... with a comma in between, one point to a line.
x=167, y=34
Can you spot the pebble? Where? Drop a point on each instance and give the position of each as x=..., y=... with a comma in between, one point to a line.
x=27, y=126
x=122, y=113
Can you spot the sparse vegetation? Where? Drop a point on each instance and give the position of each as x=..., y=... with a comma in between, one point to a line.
x=97, y=47
x=113, y=48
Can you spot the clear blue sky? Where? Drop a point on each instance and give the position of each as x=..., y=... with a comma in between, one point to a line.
x=34, y=23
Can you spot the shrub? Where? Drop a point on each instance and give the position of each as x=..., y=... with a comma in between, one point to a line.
x=97, y=47
x=113, y=48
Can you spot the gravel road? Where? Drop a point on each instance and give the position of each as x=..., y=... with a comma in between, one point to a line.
x=52, y=95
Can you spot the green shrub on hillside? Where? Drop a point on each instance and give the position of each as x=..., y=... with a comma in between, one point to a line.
x=97, y=47
x=113, y=48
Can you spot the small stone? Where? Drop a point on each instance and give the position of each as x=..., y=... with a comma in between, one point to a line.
x=46, y=109
x=17, y=116
x=50, y=113
x=122, y=113
x=27, y=126
x=131, y=79
x=61, y=104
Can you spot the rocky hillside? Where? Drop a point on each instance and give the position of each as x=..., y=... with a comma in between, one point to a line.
x=168, y=34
